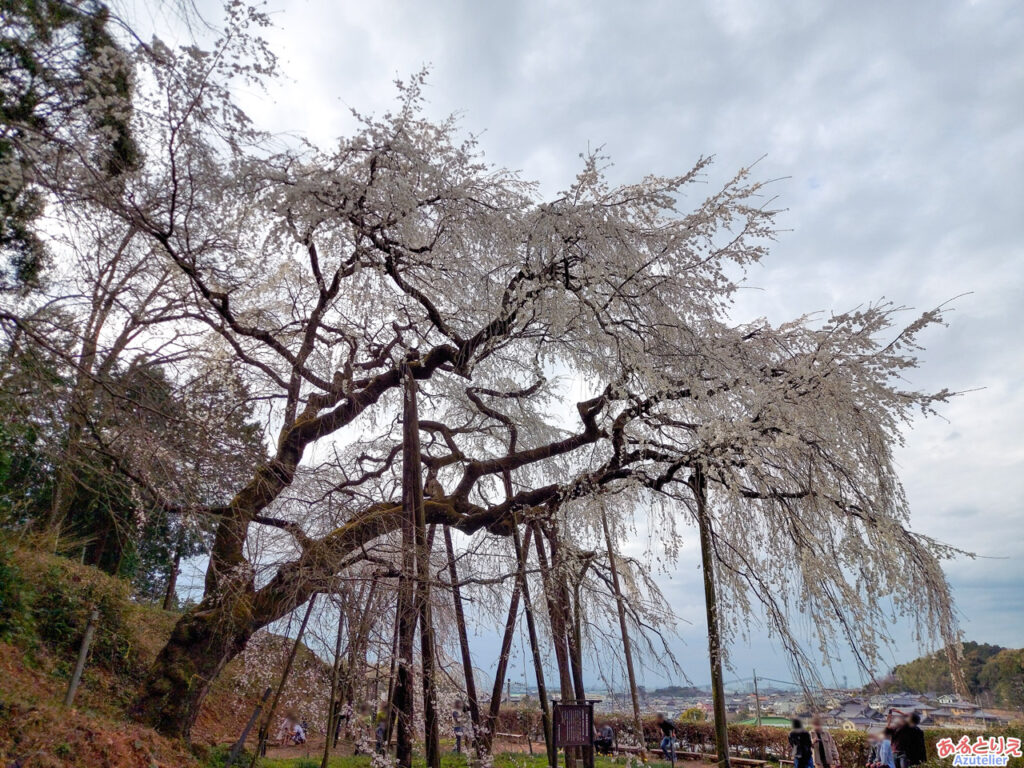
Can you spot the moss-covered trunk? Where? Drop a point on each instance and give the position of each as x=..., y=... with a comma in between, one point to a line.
x=202, y=642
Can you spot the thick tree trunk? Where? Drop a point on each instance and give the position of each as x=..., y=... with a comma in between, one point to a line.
x=201, y=643
x=699, y=485
x=172, y=577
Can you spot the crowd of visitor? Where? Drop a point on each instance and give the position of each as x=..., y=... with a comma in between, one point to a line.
x=900, y=745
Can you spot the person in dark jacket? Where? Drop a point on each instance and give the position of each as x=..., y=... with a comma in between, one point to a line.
x=800, y=741
x=914, y=750
x=668, y=735
x=898, y=723
x=605, y=740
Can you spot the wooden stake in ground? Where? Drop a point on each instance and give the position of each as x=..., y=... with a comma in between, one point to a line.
x=236, y=749
x=499, y=675
x=627, y=646
x=83, y=654
x=698, y=485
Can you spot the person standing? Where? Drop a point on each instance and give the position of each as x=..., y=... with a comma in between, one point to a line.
x=900, y=734
x=823, y=746
x=914, y=750
x=800, y=742
x=457, y=727
x=380, y=731
x=884, y=756
x=668, y=733
x=874, y=743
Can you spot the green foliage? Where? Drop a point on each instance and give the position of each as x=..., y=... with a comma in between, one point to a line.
x=63, y=78
x=12, y=604
x=1003, y=677
x=217, y=756
x=990, y=671
x=204, y=429
x=693, y=715
x=57, y=596
x=28, y=420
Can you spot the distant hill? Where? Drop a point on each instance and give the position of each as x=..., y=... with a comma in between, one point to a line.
x=995, y=675
x=678, y=691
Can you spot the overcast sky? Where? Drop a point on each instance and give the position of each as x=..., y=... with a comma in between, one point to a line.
x=897, y=133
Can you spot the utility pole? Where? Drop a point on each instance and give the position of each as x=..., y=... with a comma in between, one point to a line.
x=757, y=699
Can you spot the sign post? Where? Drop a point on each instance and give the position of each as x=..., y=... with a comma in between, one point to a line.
x=574, y=726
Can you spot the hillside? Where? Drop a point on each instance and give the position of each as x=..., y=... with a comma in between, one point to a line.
x=995, y=675
x=44, y=604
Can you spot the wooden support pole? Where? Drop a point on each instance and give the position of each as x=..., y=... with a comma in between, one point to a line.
x=428, y=654
x=467, y=659
x=236, y=748
x=412, y=491
x=392, y=704
x=698, y=484
x=556, y=614
x=627, y=645
x=264, y=732
x=498, y=690
x=522, y=553
x=333, y=715
x=83, y=654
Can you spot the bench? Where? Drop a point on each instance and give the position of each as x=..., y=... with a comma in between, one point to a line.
x=710, y=757
x=516, y=736
x=629, y=749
